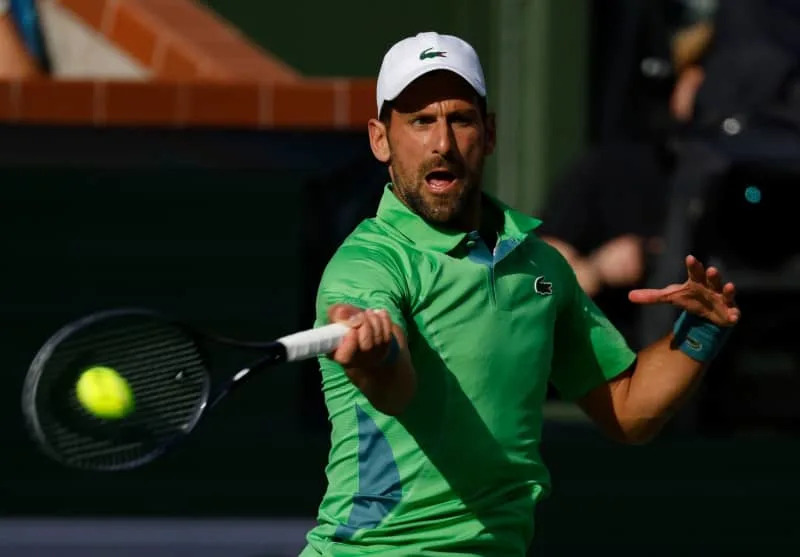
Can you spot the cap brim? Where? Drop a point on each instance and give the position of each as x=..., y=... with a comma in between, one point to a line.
x=428, y=68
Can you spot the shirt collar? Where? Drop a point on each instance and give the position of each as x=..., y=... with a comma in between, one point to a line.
x=393, y=212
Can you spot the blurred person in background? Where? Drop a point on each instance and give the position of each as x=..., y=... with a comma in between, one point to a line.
x=744, y=131
x=751, y=68
x=605, y=213
x=744, y=135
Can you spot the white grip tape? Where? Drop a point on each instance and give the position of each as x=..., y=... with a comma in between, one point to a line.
x=313, y=342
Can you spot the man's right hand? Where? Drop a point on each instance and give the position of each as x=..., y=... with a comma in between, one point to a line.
x=382, y=372
x=368, y=343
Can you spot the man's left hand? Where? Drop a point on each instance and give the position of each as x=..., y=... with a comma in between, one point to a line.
x=703, y=294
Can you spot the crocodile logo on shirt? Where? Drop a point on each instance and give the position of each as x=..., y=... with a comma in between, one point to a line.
x=542, y=287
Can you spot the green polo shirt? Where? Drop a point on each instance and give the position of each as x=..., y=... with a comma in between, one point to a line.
x=459, y=472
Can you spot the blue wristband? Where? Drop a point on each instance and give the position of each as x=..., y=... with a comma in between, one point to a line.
x=699, y=338
x=392, y=354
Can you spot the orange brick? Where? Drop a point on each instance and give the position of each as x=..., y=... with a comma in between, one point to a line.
x=304, y=105
x=250, y=64
x=90, y=11
x=57, y=101
x=362, y=102
x=186, y=16
x=142, y=103
x=213, y=42
x=8, y=110
x=177, y=65
x=212, y=72
x=134, y=34
x=224, y=105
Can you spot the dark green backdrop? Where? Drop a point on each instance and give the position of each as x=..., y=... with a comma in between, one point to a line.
x=348, y=38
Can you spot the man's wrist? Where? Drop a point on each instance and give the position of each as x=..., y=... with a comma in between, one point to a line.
x=699, y=338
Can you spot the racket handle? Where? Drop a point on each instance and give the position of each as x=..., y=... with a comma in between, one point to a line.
x=313, y=342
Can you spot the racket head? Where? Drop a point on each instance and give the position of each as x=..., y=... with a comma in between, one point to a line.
x=161, y=360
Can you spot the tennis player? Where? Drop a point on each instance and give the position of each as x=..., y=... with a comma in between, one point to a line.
x=460, y=318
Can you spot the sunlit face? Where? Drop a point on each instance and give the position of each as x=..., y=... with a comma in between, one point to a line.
x=435, y=144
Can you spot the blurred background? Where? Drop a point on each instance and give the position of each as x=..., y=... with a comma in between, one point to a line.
x=205, y=158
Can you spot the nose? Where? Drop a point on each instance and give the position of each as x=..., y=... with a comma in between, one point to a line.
x=442, y=140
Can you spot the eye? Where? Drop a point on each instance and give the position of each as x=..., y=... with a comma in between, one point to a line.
x=422, y=120
x=462, y=118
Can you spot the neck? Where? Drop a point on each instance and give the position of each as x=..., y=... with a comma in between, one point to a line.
x=483, y=217
x=471, y=218
x=491, y=223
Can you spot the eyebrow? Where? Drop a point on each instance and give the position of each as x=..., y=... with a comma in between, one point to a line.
x=465, y=111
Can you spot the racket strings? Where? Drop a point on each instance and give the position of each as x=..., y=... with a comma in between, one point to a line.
x=165, y=371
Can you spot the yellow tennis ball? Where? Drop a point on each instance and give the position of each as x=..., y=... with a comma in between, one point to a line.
x=104, y=393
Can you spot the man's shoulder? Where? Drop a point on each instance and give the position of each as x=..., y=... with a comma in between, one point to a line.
x=369, y=269
x=371, y=236
x=372, y=247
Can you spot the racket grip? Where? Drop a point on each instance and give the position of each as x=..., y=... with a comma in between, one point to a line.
x=313, y=342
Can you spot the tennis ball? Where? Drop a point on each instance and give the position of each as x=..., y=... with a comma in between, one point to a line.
x=104, y=393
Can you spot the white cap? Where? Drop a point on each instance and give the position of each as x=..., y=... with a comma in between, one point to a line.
x=413, y=57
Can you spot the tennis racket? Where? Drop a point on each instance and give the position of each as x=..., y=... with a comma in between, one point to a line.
x=167, y=365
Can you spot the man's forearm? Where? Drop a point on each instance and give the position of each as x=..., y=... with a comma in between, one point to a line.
x=636, y=404
x=389, y=388
x=662, y=380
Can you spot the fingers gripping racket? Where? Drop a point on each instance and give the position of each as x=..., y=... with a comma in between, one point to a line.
x=165, y=363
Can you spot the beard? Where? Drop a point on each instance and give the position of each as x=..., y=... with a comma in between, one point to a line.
x=452, y=208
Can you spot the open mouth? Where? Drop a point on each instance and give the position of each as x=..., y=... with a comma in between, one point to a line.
x=440, y=181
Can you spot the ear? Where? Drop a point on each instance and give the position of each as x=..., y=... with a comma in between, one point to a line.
x=491, y=132
x=379, y=140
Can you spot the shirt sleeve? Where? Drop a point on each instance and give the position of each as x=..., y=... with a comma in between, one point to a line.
x=588, y=349
x=365, y=277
